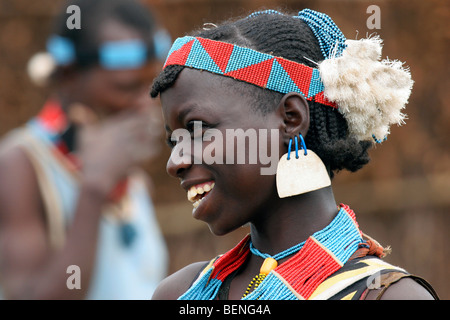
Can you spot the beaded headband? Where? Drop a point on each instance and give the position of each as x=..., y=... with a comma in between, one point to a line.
x=261, y=69
x=369, y=93
x=113, y=55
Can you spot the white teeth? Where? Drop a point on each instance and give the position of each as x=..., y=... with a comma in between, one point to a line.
x=194, y=191
x=196, y=203
x=191, y=194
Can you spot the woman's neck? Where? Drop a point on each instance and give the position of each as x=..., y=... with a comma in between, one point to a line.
x=292, y=220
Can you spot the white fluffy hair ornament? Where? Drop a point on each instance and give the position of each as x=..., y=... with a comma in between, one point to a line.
x=369, y=93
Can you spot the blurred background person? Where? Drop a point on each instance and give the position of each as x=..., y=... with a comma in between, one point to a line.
x=406, y=204
x=76, y=216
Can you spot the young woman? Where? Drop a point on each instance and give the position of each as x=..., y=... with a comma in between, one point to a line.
x=76, y=217
x=329, y=100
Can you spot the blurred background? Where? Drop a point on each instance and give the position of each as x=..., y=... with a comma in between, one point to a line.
x=402, y=198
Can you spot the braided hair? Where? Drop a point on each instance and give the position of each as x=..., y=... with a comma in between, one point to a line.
x=282, y=35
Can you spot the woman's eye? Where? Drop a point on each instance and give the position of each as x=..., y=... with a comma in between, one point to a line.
x=194, y=125
x=197, y=128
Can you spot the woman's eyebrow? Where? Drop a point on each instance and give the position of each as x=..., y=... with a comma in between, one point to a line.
x=183, y=113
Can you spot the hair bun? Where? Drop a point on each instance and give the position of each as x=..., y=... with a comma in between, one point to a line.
x=370, y=93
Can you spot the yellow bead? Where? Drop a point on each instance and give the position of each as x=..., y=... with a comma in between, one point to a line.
x=268, y=265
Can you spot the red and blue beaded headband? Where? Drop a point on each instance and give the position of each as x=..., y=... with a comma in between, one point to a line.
x=245, y=64
x=369, y=109
x=261, y=69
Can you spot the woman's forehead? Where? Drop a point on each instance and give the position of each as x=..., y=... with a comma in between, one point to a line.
x=195, y=87
x=190, y=79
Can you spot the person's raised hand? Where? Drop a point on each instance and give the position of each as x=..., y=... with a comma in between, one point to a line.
x=108, y=149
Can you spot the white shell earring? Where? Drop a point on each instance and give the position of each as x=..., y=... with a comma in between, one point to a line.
x=298, y=174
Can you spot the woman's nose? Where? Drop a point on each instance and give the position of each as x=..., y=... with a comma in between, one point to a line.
x=179, y=161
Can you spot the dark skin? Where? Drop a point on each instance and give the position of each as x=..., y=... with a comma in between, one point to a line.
x=106, y=92
x=276, y=224
x=118, y=124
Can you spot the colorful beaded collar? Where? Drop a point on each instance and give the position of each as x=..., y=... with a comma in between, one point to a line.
x=52, y=122
x=321, y=255
x=245, y=64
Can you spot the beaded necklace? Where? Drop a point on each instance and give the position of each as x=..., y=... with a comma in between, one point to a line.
x=322, y=254
x=52, y=122
x=270, y=263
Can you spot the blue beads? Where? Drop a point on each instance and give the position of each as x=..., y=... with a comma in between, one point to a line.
x=258, y=13
x=330, y=37
x=61, y=49
x=341, y=237
x=203, y=289
x=379, y=140
x=277, y=256
x=337, y=245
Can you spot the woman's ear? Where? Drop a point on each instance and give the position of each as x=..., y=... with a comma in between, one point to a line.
x=294, y=110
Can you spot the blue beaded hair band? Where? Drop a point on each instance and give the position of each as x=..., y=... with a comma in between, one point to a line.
x=112, y=55
x=330, y=37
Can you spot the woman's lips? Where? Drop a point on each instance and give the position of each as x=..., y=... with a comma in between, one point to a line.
x=197, y=192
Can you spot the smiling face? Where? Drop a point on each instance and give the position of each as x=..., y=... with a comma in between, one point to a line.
x=238, y=192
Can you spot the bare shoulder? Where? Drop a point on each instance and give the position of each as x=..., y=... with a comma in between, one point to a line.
x=23, y=236
x=179, y=282
x=404, y=289
x=20, y=198
x=17, y=172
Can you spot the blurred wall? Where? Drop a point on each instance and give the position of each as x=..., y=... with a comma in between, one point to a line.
x=402, y=198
